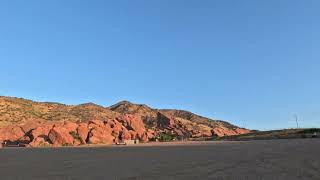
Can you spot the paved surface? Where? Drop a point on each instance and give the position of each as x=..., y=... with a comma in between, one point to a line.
x=273, y=159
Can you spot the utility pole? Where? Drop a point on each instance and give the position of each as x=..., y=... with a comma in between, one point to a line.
x=296, y=118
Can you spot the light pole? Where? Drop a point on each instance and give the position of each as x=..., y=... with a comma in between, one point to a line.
x=296, y=118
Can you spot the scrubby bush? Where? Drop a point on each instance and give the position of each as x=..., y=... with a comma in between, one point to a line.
x=166, y=137
x=76, y=136
x=153, y=139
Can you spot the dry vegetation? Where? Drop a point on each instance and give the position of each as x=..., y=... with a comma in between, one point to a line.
x=18, y=110
x=276, y=134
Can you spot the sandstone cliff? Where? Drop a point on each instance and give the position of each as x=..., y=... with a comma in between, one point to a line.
x=55, y=124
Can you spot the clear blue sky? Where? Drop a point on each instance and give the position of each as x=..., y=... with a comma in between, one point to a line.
x=253, y=63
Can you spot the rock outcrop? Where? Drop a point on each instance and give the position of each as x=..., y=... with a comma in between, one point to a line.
x=11, y=133
x=54, y=124
x=133, y=122
x=39, y=142
x=164, y=122
x=83, y=131
x=60, y=136
x=41, y=131
x=100, y=135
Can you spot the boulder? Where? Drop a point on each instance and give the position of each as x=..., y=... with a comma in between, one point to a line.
x=116, y=126
x=126, y=135
x=133, y=122
x=70, y=126
x=83, y=131
x=39, y=142
x=77, y=142
x=60, y=136
x=151, y=133
x=133, y=134
x=101, y=135
x=11, y=133
x=42, y=130
x=144, y=138
x=30, y=125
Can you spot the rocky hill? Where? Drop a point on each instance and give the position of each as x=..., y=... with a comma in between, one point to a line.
x=46, y=123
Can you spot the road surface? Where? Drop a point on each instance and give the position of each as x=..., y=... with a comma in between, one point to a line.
x=270, y=159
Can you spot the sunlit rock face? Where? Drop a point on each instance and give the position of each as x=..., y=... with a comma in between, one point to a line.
x=54, y=124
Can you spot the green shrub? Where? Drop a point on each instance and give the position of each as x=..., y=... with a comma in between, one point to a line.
x=166, y=137
x=66, y=144
x=76, y=136
x=153, y=139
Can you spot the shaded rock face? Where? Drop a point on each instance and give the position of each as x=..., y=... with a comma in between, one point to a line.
x=164, y=122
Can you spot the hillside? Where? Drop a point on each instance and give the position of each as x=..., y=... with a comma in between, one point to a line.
x=18, y=110
x=134, y=121
x=275, y=134
x=149, y=115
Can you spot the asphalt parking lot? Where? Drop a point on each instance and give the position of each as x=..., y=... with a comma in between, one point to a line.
x=270, y=159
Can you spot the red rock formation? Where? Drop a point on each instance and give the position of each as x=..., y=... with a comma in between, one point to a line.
x=42, y=130
x=242, y=131
x=70, y=126
x=151, y=133
x=83, y=131
x=30, y=125
x=126, y=135
x=132, y=122
x=144, y=138
x=96, y=122
x=124, y=127
x=60, y=136
x=39, y=142
x=164, y=121
x=11, y=133
x=223, y=131
x=133, y=134
x=116, y=126
x=178, y=132
x=206, y=133
x=101, y=135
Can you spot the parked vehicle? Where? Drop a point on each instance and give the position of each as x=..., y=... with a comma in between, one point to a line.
x=121, y=143
x=315, y=135
x=13, y=144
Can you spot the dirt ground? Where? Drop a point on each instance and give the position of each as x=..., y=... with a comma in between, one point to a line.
x=270, y=159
